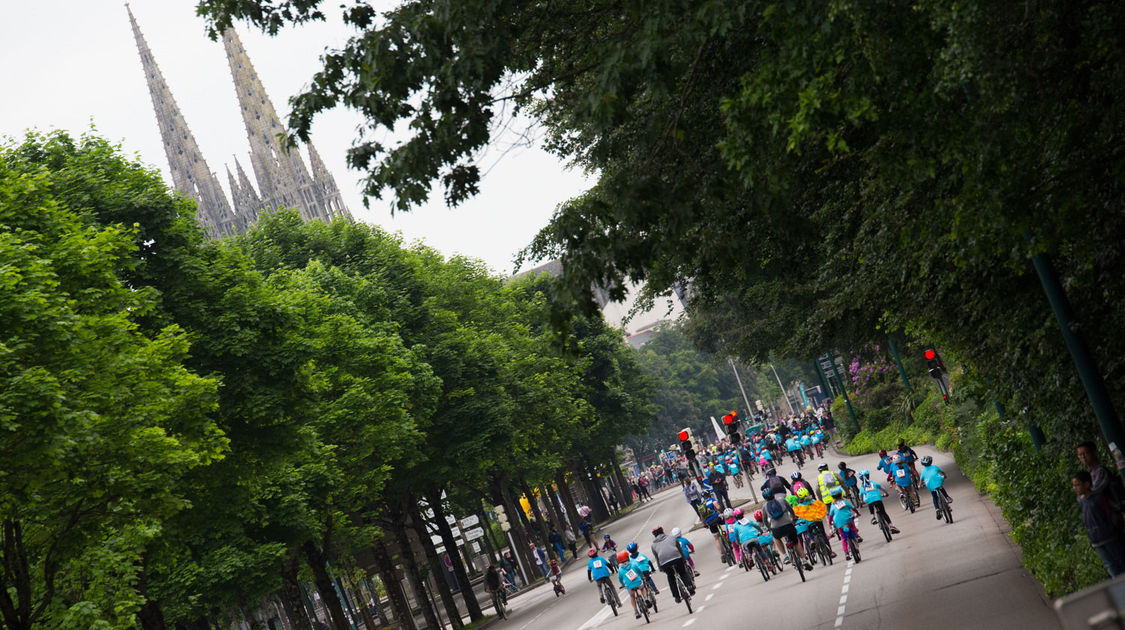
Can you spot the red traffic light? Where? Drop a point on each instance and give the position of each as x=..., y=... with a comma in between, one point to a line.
x=727, y=419
x=930, y=354
x=684, y=436
x=734, y=414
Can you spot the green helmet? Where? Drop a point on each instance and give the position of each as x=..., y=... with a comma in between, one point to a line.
x=791, y=500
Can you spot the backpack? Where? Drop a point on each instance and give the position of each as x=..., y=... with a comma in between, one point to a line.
x=776, y=485
x=774, y=508
x=705, y=512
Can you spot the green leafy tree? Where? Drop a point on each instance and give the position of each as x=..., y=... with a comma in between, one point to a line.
x=101, y=419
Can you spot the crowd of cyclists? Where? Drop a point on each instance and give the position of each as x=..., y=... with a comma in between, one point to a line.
x=794, y=524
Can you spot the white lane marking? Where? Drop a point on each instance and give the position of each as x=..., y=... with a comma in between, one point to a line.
x=708, y=598
x=688, y=622
x=729, y=569
x=536, y=618
x=844, y=594
x=700, y=609
x=716, y=587
x=596, y=620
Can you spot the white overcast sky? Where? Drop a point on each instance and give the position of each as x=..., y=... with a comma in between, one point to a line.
x=67, y=64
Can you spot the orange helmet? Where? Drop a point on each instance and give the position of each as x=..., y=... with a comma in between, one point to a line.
x=622, y=556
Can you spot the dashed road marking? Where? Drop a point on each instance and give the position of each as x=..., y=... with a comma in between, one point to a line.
x=708, y=598
x=688, y=622
x=716, y=587
x=844, y=594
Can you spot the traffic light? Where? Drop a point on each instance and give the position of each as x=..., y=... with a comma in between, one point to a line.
x=732, y=426
x=685, y=444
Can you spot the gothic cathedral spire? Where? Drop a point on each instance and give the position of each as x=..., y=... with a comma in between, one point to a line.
x=190, y=174
x=282, y=177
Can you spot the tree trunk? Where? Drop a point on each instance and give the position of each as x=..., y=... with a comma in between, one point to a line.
x=150, y=615
x=521, y=553
x=625, y=495
x=365, y=606
x=538, y=517
x=386, y=568
x=318, y=562
x=552, y=508
x=413, y=574
x=467, y=594
x=593, y=491
x=436, y=568
x=568, y=502
x=291, y=598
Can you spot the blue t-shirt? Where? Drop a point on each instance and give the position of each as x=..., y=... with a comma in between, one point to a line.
x=792, y=444
x=630, y=575
x=766, y=455
x=805, y=440
x=901, y=474
x=871, y=492
x=685, y=546
x=931, y=476
x=842, y=512
x=746, y=532
x=642, y=561
x=733, y=469
x=598, y=568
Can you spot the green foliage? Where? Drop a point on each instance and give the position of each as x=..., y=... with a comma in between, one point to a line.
x=101, y=419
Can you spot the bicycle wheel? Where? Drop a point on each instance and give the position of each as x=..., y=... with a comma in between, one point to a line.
x=499, y=607
x=652, y=603
x=760, y=559
x=611, y=599
x=652, y=585
x=643, y=607
x=946, y=511
x=824, y=547
x=886, y=529
x=685, y=595
x=795, y=560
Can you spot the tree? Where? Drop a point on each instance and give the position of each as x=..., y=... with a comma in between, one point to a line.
x=101, y=418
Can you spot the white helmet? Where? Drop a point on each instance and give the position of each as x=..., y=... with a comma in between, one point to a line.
x=728, y=513
x=676, y=531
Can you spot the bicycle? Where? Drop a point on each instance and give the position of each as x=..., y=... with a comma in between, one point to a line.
x=643, y=603
x=685, y=594
x=498, y=605
x=906, y=499
x=763, y=563
x=611, y=597
x=944, y=508
x=795, y=558
x=853, y=546
x=651, y=585
x=853, y=495
x=884, y=526
x=727, y=550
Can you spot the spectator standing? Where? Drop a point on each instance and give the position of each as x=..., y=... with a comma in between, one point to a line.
x=571, y=542
x=556, y=540
x=1103, y=523
x=692, y=494
x=719, y=485
x=540, y=558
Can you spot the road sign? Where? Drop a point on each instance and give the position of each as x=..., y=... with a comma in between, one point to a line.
x=469, y=521
x=473, y=534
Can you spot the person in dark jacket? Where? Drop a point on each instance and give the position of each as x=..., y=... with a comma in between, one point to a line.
x=1103, y=523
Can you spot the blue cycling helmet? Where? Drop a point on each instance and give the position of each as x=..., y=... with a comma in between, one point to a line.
x=836, y=491
x=795, y=476
x=864, y=473
x=606, y=536
x=767, y=494
x=631, y=547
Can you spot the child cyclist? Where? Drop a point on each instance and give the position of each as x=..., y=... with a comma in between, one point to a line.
x=873, y=494
x=610, y=546
x=934, y=478
x=686, y=548
x=631, y=576
x=597, y=570
x=843, y=513
x=638, y=559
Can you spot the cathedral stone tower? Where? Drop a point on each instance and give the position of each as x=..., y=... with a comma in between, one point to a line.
x=282, y=178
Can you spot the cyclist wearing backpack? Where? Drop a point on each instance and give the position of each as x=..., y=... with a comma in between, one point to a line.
x=827, y=480
x=780, y=519
x=709, y=516
x=775, y=484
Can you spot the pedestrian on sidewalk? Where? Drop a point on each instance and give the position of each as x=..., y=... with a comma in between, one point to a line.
x=555, y=538
x=692, y=494
x=1103, y=523
x=540, y=558
x=571, y=542
x=1103, y=480
x=586, y=529
x=510, y=565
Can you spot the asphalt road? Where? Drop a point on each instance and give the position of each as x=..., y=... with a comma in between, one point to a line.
x=934, y=575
